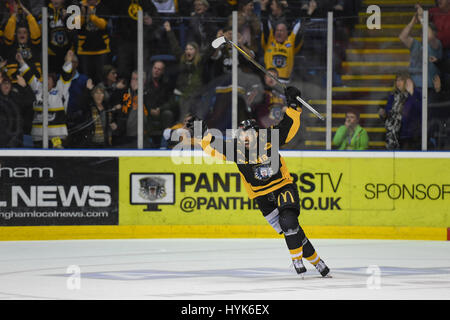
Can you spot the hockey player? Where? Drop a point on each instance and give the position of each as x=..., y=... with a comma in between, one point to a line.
x=267, y=180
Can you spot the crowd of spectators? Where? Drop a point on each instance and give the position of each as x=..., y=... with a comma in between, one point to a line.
x=92, y=69
x=92, y=66
x=403, y=112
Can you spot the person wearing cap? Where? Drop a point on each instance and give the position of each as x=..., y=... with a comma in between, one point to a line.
x=265, y=175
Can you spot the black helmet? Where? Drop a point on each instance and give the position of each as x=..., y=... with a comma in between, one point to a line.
x=248, y=124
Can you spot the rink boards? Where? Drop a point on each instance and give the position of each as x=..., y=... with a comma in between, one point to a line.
x=73, y=194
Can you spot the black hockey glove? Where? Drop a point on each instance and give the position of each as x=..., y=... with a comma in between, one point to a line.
x=291, y=96
x=191, y=124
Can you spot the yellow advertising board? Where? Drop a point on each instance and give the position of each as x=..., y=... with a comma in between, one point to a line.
x=154, y=194
x=339, y=195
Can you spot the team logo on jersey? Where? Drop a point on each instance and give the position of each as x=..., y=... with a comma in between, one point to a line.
x=263, y=172
x=25, y=52
x=58, y=38
x=279, y=61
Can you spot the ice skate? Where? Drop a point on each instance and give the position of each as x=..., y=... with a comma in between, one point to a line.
x=299, y=267
x=323, y=269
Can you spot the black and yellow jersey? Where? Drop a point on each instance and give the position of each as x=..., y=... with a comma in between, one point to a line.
x=60, y=38
x=93, y=38
x=259, y=175
x=30, y=51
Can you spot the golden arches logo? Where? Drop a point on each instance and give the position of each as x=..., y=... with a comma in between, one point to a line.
x=283, y=197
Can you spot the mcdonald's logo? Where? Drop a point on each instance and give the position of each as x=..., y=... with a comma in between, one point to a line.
x=283, y=197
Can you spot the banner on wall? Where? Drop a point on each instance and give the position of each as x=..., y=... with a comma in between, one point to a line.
x=333, y=192
x=40, y=191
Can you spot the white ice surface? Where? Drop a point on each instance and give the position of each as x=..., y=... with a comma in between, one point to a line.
x=222, y=269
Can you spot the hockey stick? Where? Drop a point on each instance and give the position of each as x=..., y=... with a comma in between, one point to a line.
x=221, y=40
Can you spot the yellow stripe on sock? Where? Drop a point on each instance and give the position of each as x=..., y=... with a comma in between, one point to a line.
x=297, y=254
x=314, y=259
x=295, y=251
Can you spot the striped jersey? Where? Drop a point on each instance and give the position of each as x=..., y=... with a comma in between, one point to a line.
x=259, y=174
x=57, y=103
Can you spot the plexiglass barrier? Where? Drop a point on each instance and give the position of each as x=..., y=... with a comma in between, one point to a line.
x=372, y=63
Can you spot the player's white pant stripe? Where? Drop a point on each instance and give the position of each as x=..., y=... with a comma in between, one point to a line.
x=273, y=219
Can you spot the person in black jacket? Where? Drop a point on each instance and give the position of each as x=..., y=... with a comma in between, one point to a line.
x=162, y=112
x=125, y=35
x=15, y=111
x=93, y=129
x=124, y=123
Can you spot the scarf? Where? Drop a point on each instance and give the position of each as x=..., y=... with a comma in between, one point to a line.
x=394, y=120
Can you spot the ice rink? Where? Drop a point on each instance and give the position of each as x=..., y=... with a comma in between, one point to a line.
x=221, y=269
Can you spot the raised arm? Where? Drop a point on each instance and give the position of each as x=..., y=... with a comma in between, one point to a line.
x=288, y=127
x=405, y=35
x=213, y=145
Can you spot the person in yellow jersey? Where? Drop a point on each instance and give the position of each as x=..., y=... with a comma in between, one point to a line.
x=265, y=175
x=280, y=47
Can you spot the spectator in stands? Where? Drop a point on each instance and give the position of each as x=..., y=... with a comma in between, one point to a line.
x=173, y=7
x=221, y=60
x=402, y=115
x=6, y=8
x=310, y=8
x=94, y=122
x=60, y=38
x=124, y=123
x=161, y=111
x=35, y=6
x=76, y=88
x=273, y=11
x=280, y=48
x=110, y=81
x=415, y=47
x=315, y=9
x=178, y=135
x=249, y=25
x=223, y=9
x=201, y=28
x=93, y=38
x=442, y=64
x=190, y=72
x=57, y=101
x=126, y=31
x=438, y=116
x=15, y=106
x=440, y=16
x=23, y=38
x=351, y=136
x=269, y=111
